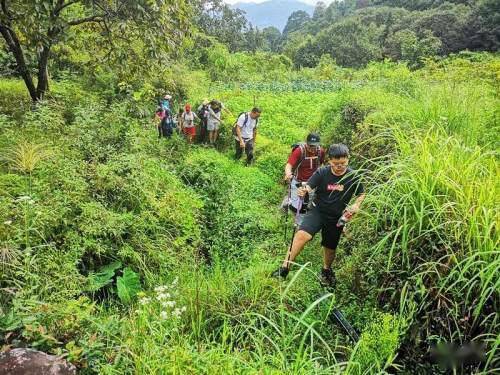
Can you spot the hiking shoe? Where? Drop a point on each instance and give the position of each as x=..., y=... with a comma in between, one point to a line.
x=281, y=272
x=327, y=278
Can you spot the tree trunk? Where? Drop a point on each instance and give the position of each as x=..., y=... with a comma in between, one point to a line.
x=43, y=77
x=15, y=47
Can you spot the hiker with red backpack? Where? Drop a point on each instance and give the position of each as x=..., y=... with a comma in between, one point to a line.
x=302, y=163
x=245, y=132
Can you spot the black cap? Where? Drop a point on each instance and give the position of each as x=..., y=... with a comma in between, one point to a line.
x=313, y=139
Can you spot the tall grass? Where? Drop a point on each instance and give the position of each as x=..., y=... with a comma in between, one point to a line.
x=437, y=201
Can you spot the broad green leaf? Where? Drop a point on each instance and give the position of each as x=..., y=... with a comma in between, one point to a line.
x=103, y=277
x=128, y=285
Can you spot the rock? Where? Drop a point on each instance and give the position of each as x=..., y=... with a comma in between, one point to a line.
x=23, y=361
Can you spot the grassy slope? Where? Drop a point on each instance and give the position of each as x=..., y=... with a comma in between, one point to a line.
x=117, y=193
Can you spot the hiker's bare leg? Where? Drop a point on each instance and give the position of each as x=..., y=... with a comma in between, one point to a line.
x=299, y=241
x=216, y=134
x=328, y=257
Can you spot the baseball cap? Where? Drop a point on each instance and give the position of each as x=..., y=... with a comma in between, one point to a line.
x=313, y=139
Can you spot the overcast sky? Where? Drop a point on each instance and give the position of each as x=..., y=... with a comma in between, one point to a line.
x=312, y=2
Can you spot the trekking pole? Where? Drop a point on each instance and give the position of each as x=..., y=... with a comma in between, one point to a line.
x=295, y=225
x=287, y=210
x=338, y=318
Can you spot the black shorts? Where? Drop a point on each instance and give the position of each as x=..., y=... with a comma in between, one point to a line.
x=314, y=221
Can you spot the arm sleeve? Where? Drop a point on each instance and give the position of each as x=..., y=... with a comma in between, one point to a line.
x=241, y=120
x=315, y=179
x=294, y=157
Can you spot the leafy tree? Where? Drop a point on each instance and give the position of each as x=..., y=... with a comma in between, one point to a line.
x=484, y=26
x=448, y=23
x=272, y=38
x=254, y=40
x=350, y=43
x=217, y=19
x=32, y=28
x=319, y=10
x=405, y=45
x=308, y=54
x=296, y=21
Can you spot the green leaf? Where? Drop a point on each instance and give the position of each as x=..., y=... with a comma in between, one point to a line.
x=128, y=285
x=103, y=277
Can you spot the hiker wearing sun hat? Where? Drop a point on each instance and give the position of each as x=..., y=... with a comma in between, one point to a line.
x=165, y=102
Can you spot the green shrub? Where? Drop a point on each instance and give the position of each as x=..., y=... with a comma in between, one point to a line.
x=376, y=348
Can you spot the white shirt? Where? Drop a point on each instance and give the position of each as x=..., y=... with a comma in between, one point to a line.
x=247, y=129
x=188, y=119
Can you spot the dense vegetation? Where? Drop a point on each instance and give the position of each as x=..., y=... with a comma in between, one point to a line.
x=131, y=254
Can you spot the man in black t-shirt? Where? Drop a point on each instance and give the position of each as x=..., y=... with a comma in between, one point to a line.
x=335, y=184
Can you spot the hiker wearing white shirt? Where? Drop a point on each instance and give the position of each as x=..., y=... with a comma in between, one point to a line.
x=245, y=133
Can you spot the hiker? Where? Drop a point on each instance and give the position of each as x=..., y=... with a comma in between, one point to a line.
x=178, y=120
x=167, y=124
x=335, y=184
x=188, y=123
x=203, y=116
x=245, y=133
x=165, y=102
x=159, y=114
x=302, y=163
x=213, y=121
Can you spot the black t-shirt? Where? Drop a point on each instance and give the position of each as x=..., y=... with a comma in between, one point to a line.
x=333, y=193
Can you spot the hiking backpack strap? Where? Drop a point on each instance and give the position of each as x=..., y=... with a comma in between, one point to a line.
x=236, y=123
x=302, y=158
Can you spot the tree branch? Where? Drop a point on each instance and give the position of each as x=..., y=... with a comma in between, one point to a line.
x=94, y=18
x=4, y=9
x=61, y=5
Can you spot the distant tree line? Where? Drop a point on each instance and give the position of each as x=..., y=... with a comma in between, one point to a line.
x=355, y=32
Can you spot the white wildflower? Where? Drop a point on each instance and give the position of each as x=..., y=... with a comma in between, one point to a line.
x=176, y=280
x=7, y=222
x=161, y=288
x=163, y=315
x=177, y=312
x=23, y=198
x=144, y=301
x=162, y=296
x=168, y=304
